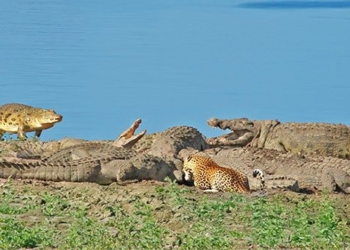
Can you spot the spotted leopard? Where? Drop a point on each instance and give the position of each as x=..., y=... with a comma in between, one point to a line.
x=211, y=177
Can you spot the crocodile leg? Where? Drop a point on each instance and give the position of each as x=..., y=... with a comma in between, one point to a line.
x=20, y=132
x=38, y=133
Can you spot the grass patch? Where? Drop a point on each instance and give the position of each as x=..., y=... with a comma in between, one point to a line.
x=13, y=203
x=14, y=234
x=166, y=217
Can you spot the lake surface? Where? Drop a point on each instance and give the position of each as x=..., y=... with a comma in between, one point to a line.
x=104, y=64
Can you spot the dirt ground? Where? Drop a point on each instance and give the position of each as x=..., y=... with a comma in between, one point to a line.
x=99, y=200
x=97, y=196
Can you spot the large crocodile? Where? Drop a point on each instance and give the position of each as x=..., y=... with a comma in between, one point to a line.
x=69, y=148
x=169, y=142
x=18, y=118
x=165, y=144
x=99, y=169
x=306, y=138
x=90, y=160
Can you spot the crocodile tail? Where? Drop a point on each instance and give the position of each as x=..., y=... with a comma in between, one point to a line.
x=259, y=173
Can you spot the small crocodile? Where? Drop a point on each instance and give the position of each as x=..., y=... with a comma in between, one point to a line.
x=313, y=172
x=305, y=138
x=18, y=118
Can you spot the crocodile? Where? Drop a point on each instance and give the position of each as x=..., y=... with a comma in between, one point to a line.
x=79, y=149
x=165, y=144
x=147, y=159
x=168, y=143
x=18, y=118
x=313, y=172
x=303, y=138
x=70, y=148
x=122, y=167
x=98, y=169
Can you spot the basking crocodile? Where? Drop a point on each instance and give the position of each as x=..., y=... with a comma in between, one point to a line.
x=98, y=169
x=79, y=149
x=169, y=142
x=313, y=172
x=165, y=144
x=306, y=138
x=91, y=159
x=121, y=167
x=69, y=148
x=18, y=118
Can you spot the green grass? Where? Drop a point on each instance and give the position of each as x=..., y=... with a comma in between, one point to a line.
x=170, y=217
x=308, y=224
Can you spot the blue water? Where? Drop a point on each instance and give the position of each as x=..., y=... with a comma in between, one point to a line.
x=103, y=64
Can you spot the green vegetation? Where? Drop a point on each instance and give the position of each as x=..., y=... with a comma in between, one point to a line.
x=166, y=217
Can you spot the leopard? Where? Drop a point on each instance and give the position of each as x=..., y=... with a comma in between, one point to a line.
x=211, y=177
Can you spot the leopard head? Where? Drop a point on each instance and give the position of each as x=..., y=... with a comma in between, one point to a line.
x=188, y=168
